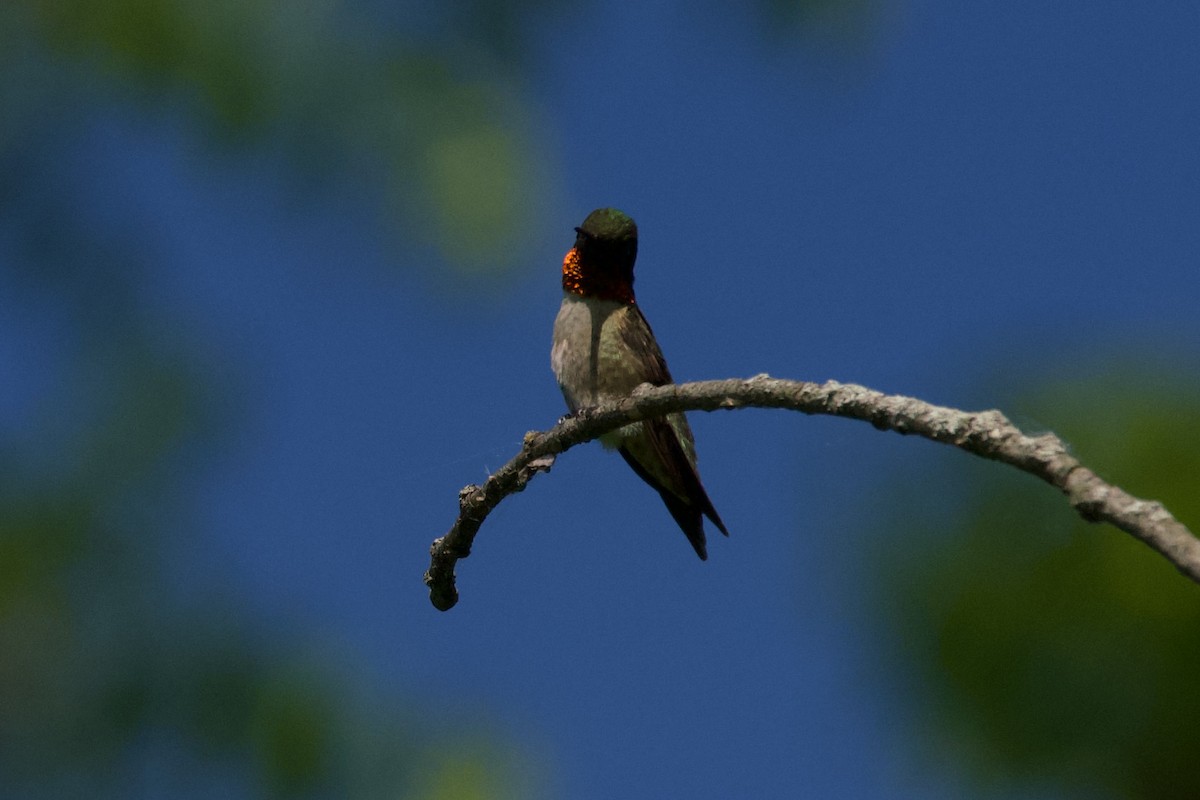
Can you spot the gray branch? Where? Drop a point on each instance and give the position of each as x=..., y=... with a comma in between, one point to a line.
x=985, y=433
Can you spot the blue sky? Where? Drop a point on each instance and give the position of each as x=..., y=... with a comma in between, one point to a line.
x=981, y=188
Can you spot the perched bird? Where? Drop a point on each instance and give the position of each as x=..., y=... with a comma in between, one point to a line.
x=603, y=349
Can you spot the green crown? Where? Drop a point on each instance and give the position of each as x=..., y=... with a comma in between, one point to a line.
x=610, y=225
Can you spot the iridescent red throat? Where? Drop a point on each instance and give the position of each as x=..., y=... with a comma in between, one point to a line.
x=599, y=284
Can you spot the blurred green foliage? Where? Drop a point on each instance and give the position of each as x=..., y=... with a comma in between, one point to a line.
x=831, y=22
x=1045, y=650
x=430, y=126
x=109, y=685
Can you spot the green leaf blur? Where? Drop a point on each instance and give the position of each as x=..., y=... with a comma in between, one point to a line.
x=432, y=128
x=1045, y=650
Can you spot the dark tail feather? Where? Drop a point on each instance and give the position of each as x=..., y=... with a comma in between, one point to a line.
x=690, y=518
x=711, y=513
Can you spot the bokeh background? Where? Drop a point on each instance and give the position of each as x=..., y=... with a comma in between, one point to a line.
x=277, y=279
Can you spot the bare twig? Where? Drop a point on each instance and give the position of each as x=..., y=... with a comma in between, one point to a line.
x=985, y=433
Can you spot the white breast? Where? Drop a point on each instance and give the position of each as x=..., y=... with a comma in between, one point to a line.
x=581, y=346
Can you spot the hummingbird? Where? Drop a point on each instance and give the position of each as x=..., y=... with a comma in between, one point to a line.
x=603, y=349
